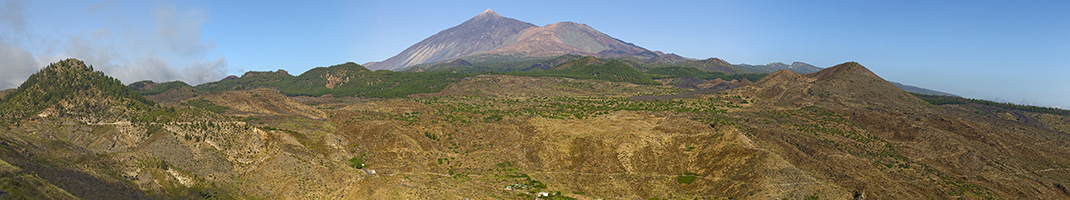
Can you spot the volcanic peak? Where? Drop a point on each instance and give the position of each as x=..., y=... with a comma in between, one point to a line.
x=780, y=75
x=845, y=85
x=484, y=32
x=845, y=70
x=489, y=13
x=491, y=34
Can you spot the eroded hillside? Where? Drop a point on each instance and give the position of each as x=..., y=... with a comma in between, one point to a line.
x=840, y=133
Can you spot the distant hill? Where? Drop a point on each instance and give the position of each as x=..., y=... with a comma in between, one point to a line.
x=168, y=92
x=844, y=81
x=347, y=79
x=712, y=65
x=5, y=92
x=585, y=61
x=469, y=65
x=351, y=79
x=919, y=90
x=150, y=88
x=799, y=67
x=489, y=37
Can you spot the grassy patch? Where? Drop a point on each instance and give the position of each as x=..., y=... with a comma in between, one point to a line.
x=207, y=105
x=687, y=178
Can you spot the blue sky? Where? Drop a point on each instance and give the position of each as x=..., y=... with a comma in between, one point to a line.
x=1011, y=51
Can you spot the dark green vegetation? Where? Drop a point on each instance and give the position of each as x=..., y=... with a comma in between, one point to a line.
x=72, y=105
x=608, y=69
x=61, y=81
x=502, y=63
x=681, y=72
x=349, y=79
x=206, y=105
x=497, y=63
x=157, y=89
x=619, y=69
x=615, y=71
x=687, y=178
x=943, y=100
x=356, y=163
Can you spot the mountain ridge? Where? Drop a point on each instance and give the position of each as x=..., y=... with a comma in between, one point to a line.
x=796, y=66
x=484, y=32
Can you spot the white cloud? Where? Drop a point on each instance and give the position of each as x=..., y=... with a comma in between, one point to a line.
x=172, y=48
x=181, y=31
x=17, y=63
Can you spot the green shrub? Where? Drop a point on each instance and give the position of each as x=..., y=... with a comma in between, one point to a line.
x=681, y=72
x=685, y=179
x=356, y=163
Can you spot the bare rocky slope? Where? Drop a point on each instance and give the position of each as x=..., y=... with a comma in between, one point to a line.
x=848, y=126
x=484, y=32
x=840, y=133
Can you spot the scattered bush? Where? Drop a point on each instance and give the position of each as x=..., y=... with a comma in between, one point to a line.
x=356, y=163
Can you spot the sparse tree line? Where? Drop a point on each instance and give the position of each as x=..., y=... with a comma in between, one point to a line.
x=942, y=100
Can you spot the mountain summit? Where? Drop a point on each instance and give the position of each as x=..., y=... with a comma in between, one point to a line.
x=489, y=12
x=490, y=34
x=484, y=32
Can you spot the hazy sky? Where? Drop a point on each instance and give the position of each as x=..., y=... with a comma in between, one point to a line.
x=1012, y=51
